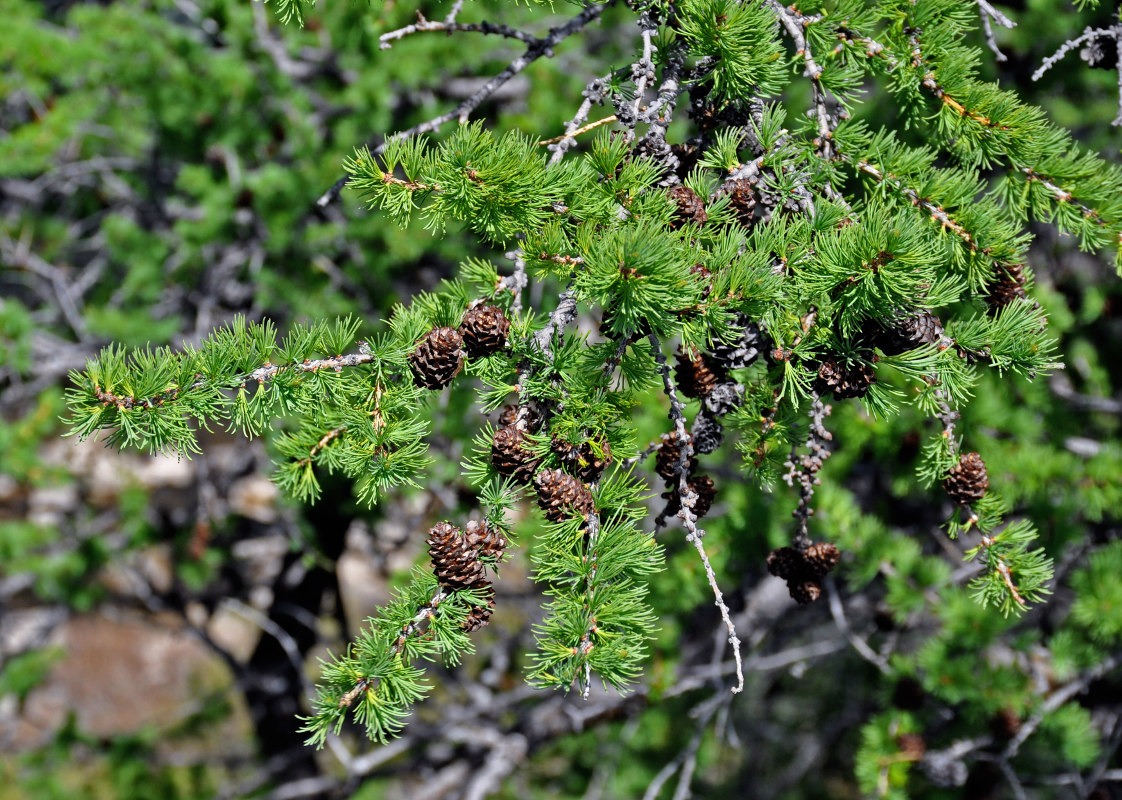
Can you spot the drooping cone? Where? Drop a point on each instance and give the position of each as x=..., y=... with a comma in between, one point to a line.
x=559, y=495
x=803, y=570
x=742, y=200
x=455, y=563
x=1008, y=285
x=695, y=376
x=668, y=459
x=586, y=460
x=783, y=562
x=909, y=332
x=484, y=330
x=967, y=481
x=742, y=350
x=485, y=538
x=511, y=456
x=707, y=434
x=821, y=558
x=478, y=616
x=691, y=208
x=437, y=358
x=844, y=379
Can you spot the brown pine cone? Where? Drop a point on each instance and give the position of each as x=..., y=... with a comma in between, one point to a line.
x=485, y=538
x=909, y=332
x=821, y=558
x=582, y=460
x=478, y=616
x=531, y=418
x=805, y=592
x=785, y=562
x=455, y=563
x=560, y=494
x=668, y=458
x=511, y=456
x=845, y=380
x=484, y=330
x=437, y=358
x=508, y=416
x=1005, y=724
x=691, y=208
x=967, y=481
x=742, y=200
x=696, y=376
x=1008, y=285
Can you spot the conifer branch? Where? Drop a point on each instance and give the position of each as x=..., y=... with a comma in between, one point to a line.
x=542, y=46
x=686, y=499
x=386, y=40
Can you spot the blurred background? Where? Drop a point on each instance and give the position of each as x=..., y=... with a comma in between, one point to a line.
x=160, y=619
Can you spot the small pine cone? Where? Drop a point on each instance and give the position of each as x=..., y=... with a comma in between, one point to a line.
x=508, y=416
x=484, y=330
x=669, y=456
x=582, y=460
x=742, y=200
x=845, y=380
x=804, y=592
x=707, y=434
x=724, y=398
x=743, y=350
x=821, y=558
x=531, y=418
x=967, y=481
x=1008, y=285
x=560, y=494
x=785, y=562
x=691, y=208
x=478, y=616
x=1005, y=724
x=511, y=457
x=455, y=563
x=438, y=358
x=696, y=376
x=909, y=332
x=488, y=540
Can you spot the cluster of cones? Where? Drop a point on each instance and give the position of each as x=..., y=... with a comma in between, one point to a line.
x=460, y=559
x=439, y=357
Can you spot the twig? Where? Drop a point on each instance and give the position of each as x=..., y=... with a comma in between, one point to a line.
x=540, y=47
x=987, y=12
x=583, y=129
x=424, y=25
x=686, y=498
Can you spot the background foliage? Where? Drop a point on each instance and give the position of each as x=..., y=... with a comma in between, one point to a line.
x=159, y=165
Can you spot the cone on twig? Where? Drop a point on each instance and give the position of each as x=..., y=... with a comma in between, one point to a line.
x=668, y=459
x=701, y=485
x=485, y=538
x=707, y=434
x=455, y=563
x=480, y=615
x=803, y=569
x=909, y=332
x=511, y=456
x=559, y=495
x=691, y=208
x=844, y=379
x=967, y=481
x=586, y=460
x=484, y=330
x=437, y=358
x=695, y=375
x=1008, y=285
x=741, y=351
